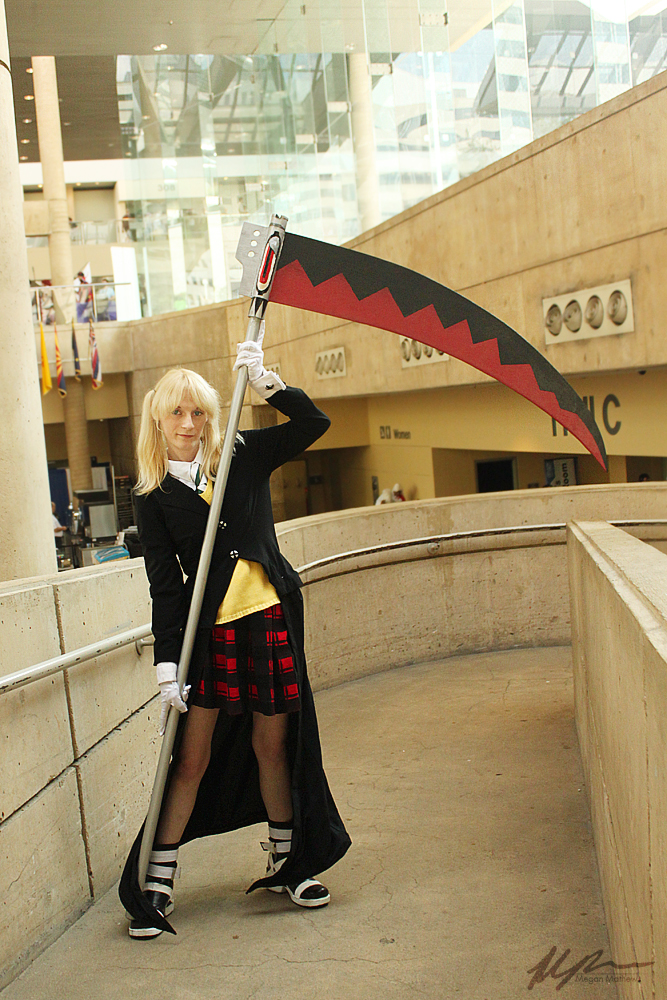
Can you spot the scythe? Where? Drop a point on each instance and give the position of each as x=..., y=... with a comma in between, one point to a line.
x=355, y=286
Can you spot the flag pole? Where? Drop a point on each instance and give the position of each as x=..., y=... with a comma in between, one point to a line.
x=264, y=277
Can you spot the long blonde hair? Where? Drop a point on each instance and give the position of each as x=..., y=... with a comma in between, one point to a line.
x=166, y=396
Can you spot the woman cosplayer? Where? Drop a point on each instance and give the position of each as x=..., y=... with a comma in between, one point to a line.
x=247, y=747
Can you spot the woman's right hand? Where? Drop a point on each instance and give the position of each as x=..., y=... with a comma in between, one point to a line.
x=170, y=694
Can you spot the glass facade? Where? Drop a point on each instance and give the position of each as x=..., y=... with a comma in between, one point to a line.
x=394, y=101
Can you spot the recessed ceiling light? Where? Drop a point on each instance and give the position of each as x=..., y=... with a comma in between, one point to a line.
x=67, y=123
x=28, y=97
x=170, y=22
x=25, y=141
x=27, y=121
x=160, y=48
x=23, y=157
x=145, y=117
x=29, y=69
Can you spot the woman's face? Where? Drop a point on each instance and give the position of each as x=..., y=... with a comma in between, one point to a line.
x=183, y=428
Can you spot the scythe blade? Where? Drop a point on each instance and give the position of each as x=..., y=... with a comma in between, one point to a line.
x=355, y=286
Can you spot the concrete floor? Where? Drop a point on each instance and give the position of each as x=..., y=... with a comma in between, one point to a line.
x=461, y=785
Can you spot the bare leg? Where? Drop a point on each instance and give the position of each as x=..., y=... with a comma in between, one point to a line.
x=269, y=733
x=193, y=757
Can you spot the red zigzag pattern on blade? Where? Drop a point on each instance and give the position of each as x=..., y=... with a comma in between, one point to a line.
x=334, y=297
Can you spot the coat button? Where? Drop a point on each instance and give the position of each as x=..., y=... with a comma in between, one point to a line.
x=233, y=554
x=223, y=524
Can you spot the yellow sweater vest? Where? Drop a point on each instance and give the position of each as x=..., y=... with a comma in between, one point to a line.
x=249, y=589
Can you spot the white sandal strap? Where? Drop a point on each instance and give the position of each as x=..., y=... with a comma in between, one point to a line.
x=281, y=848
x=306, y=884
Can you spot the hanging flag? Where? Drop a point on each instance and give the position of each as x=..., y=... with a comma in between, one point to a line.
x=60, y=374
x=75, y=353
x=46, y=374
x=95, y=366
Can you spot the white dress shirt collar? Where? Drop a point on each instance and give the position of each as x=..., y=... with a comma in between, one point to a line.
x=187, y=471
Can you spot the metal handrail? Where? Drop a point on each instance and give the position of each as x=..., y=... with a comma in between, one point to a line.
x=57, y=663
x=455, y=536
x=139, y=635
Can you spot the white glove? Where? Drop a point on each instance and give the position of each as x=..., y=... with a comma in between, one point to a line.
x=169, y=692
x=250, y=354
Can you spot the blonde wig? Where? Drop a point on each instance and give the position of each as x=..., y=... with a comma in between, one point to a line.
x=165, y=397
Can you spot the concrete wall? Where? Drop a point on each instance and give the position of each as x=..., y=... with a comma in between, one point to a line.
x=495, y=592
x=309, y=538
x=619, y=639
x=79, y=749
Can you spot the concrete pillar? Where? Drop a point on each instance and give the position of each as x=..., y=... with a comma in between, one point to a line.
x=361, y=101
x=47, y=112
x=27, y=545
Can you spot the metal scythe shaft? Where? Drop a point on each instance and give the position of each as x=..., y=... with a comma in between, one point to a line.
x=266, y=270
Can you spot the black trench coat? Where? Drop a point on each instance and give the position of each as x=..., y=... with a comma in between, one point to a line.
x=171, y=522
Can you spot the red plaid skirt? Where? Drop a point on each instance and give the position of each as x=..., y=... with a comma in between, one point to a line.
x=251, y=667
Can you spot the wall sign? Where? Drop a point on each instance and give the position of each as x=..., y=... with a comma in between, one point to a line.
x=560, y=471
x=610, y=421
x=386, y=433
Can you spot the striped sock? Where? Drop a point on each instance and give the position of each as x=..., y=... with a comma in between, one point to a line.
x=162, y=865
x=280, y=836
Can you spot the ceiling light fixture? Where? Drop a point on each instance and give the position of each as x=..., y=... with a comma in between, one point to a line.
x=67, y=123
x=24, y=142
x=28, y=97
x=27, y=121
x=160, y=48
x=29, y=69
x=23, y=158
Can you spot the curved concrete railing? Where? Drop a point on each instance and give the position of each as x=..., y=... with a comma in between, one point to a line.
x=495, y=586
x=81, y=745
x=306, y=539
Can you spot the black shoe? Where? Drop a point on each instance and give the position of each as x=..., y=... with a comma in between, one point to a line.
x=310, y=892
x=144, y=928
